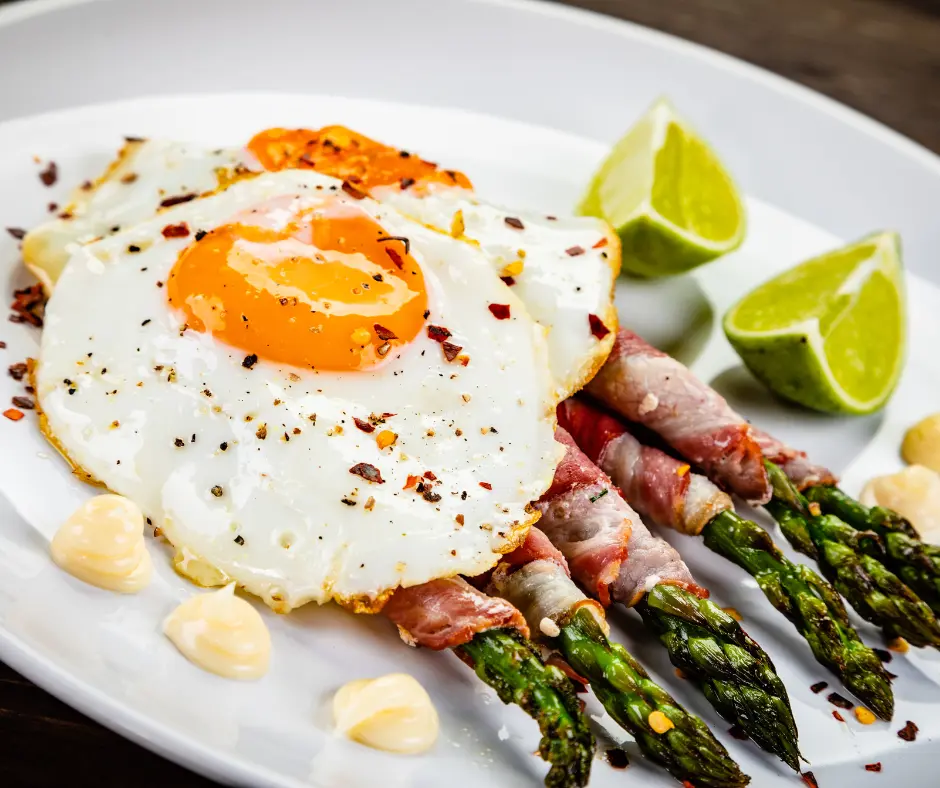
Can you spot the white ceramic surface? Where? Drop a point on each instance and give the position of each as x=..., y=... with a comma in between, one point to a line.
x=815, y=174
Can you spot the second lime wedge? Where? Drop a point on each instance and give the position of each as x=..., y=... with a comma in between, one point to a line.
x=668, y=197
x=829, y=333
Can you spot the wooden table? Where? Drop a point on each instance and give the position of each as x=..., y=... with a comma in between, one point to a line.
x=879, y=56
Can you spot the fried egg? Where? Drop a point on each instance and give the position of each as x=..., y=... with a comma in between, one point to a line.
x=315, y=394
x=562, y=268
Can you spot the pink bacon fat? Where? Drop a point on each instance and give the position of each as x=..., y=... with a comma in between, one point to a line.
x=535, y=579
x=582, y=519
x=659, y=486
x=795, y=464
x=448, y=612
x=645, y=385
x=583, y=512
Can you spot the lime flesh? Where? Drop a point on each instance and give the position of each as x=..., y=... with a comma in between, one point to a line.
x=667, y=196
x=829, y=333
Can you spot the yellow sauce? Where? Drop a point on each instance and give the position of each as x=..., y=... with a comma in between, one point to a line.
x=392, y=713
x=914, y=493
x=102, y=543
x=221, y=633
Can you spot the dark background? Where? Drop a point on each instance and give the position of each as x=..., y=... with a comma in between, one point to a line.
x=881, y=57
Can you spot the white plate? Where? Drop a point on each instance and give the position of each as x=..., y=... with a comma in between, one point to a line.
x=797, y=156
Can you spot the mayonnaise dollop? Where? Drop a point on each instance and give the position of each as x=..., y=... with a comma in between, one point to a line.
x=221, y=633
x=392, y=713
x=914, y=493
x=102, y=543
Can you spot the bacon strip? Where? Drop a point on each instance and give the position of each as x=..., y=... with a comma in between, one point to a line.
x=617, y=534
x=795, y=464
x=657, y=485
x=645, y=385
x=535, y=579
x=585, y=521
x=448, y=612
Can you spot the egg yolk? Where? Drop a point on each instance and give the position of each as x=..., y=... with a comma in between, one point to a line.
x=346, y=154
x=327, y=289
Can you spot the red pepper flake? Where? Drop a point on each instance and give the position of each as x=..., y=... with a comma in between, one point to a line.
x=179, y=199
x=819, y=686
x=438, y=333
x=28, y=305
x=909, y=731
x=13, y=414
x=24, y=402
x=365, y=426
x=18, y=371
x=383, y=333
x=49, y=175
x=411, y=481
x=404, y=241
x=486, y=485
x=394, y=257
x=508, y=280
x=3, y=345
x=180, y=230
x=810, y=779
x=353, y=191
x=500, y=311
x=574, y=251
x=430, y=475
x=737, y=732
x=134, y=139
x=837, y=700
x=17, y=232
x=451, y=350
x=368, y=472
x=515, y=223
x=873, y=767
x=616, y=757
x=838, y=716
x=598, y=329
x=53, y=207
x=601, y=243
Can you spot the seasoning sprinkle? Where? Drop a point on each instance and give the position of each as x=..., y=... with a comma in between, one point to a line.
x=810, y=779
x=368, y=472
x=250, y=360
x=239, y=540
x=50, y=174
x=598, y=329
x=363, y=425
x=13, y=414
x=180, y=230
x=486, y=485
x=873, y=767
x=179, y=199
x=383, y=333
x=438, y=333
x=574, y=251
x=17, y=232
x=515, y=223
x=617, y=758
x=451, y=351
x=25, y=403
x=908, y=732
x=601, y=494
x=837, y=700
x=819, y=686
x=499, y=311
x=216, y=491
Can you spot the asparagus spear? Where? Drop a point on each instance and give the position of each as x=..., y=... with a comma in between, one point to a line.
x=916, y=563
x=734, y=673
x=507, y=662
x=809, y=602
x=688, y=750
x=845, y=556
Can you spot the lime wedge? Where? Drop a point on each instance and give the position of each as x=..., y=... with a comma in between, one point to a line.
x=830, y=333
x=667, y=196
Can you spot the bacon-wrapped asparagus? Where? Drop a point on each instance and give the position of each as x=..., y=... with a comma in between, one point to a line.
x=669, y=493
x=536, y=580
x=645, y=386
x=709, y=646
x=491, y=636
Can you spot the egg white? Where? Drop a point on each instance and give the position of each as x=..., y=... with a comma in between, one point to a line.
x=120, y=383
